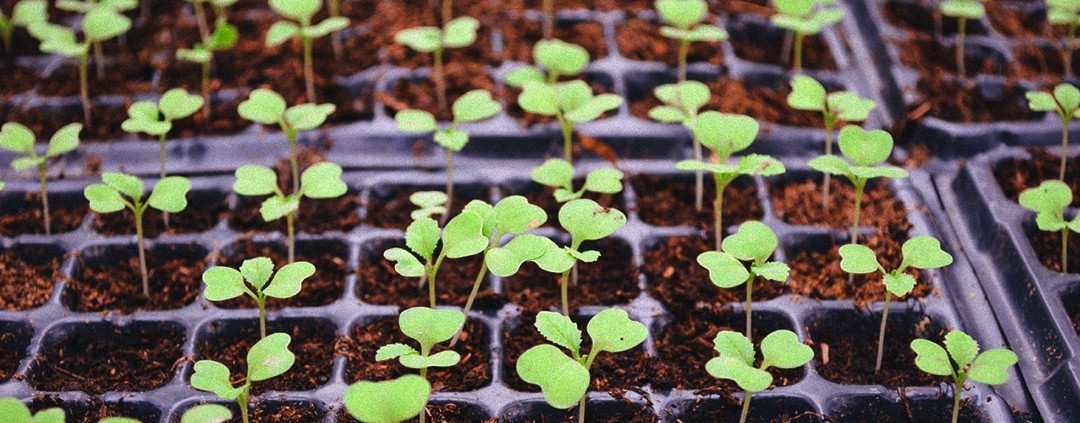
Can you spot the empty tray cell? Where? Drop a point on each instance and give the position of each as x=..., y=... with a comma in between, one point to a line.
x=379, y=283
x=854, y=408
x=764, y=407
x=27, y=274
x=107, y=277
x=329, y=256
x=13, y=343
x=21, y=212
x=668, y=200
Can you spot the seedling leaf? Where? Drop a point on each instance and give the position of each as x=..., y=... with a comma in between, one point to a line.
x=899, y=284
x=103, y=199
x=606, y=180
x=475, y=105
x=554, y=173
x=593, y=107
x=560, y=57
x=806, y=94
x=298, y=10
x=452, y=139
x=255, y=180
x=430, y=326
x=753, y=241
x=562, y=379
x=405, y=264
x=991, y=367
x=725, y=133
x=16, y=137
x=323, y=180
x=390, y=401
x=308, y=116
x=223, y=283
x=587, y=220
x=410, y=120
x=612, y=330
x=539, y=98
x=280, y=32
x=287, y=280
x=1051, y=196
x=1041, y=101
x=689, y=96
x=774, y=271
x=506, y=261
x=64, y=140
x=178, y=104
x=423, y=39
x=463, y=236
x=440, y=359
x=328, y=25
x=681, y=13
x=865, y=148
x=460, y=32
x=392, y=351
x=214, y=377
x=858, y=259
x=849, y=106
x=725, y=270
x=422, y=236
x=518, y=77
x=931, y=358
x=782, y=349
x=961, y=347
x=514, y=215
x=14, y=410
x=276, y=207
x=924, y=252
x=270, y=357
x=125, y=184
x=206, y=413
x=263, y=106
x=103, y=23
x=257, y=271
x=170, y=194
x=560, y=330
x=747, y=377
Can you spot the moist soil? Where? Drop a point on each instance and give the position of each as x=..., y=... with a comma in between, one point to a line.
x=471, y=373
x=611, y=280
x=797, y=200
x=1015, y=175
x=520, y=35
x=200, y=215
x=114, y=282
x=45, y=120
x=461, y=77
x=625, y=411
x=312, y=343
x=26, y=277
x=1047, y=247
x=816, y=273
x=726, y=408
x=276, y=412
x=920, y=18
x=762, y=100
x=122, y=361
x=755, y=46
x=13, y=343
x=392, y=211
x=93, y=410
x=666, y=200
x=640, y=40
x=932, y=58
x=322, y=288
x=316, y=215
x=28, y=219
x=380, y=284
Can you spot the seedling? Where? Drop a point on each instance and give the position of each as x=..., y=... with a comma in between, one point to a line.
x=549, y=21
x=168, y=195
x=585, y=220
x=155, y=118
x=921, y=252
x=24, y=14
x=223, y=38
x=206, y=413
x=300, y=12
x=681, y=104
x=780, y=349
x=564, y=379
x=559, y=173
x=390, y=401
x=966, y=362
x=685, y=17
x=429, y=203
x=224, y=283
x=1049, y=201
x=557, y=57
x=428, y=327
x=18, y=138
x=754, y=242
x=1066, y=103
x=842, y=106
x=99, y=24
x=14, y=411
x=866, y=150
x=455, y=33
x=727, y=134
x=1065, y=12
x=462, y=237
x=268, y=358
x=474, y=106
x=268, y=108
x=84, y=7
x=962, y=10
x=803, y=17
x=322, y=180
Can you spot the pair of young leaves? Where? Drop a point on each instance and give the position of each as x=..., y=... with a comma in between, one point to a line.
x=169, y=194
x=457, y=33
x=685, y=17
x=100, y=22
x=14, y=411
x=961, y=360
x=155, y=118
x=543, y=95
x=223, y=283
x=268, y=358
x=428, y=327
x=321, y=180
x=804, y=16
x=1049, y=201
x=866, y=149
x=780, y=349
x=269, y=108
x=473, y=106
x=17, y=138
x=921, y=252
x=808, y=94
x=754, y=242
x=301, y=11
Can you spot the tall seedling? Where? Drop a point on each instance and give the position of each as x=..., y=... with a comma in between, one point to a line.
x=754, y=242
x=268, y=358
x=966, y=363
x=224, y=283
x=559, y=174
x=428, y=327
x=84, y=6
x=780, y=349
x=474, y=106
x=842, y=106
x=389, y=401
x=300, y=12
x=19, y=139
x=24, y=14
x=681, y=104
x=1065, y=101
x=462, y=237
x=1049, y=201
x=169, y=195
x=727, y=134
x=962, y=10
x=685, y=17
x=1065, y=12
x=455, y=33
x=803, y=17
x=921, y=252
x=223, y=38
x=155, y=118
x=268, y=108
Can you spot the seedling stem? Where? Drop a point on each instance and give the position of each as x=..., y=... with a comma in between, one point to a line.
x=960, y=53
x=44, y=198
x=200, y=19
x=881, y=334
x=745, y=406
x=335, y=38
x=797, y=67
x=684, y=49
x=84, y=90
x=568, y=135
x=860, y=185
x=549, y=28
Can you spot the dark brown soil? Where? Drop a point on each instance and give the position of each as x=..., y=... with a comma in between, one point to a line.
x=955, y=102
x=521, y=34
x=920, y=17
x=471, y=373
x=392, y=210
x=544, y=197
x=436, y=413
x=630, y=6
x=927, y=54
x=461, y=77
x=379, y=283
x=277, y=412
x=201, y=215
x=13, y=344
x=45, y=120
x=753, y=47
x=726, y=408
x=665, y=200
x=611, y=280
x=312, y=343
x=322, y=288
x=27, y=276
x=1016, y=22
x=1047, y=247
x=629, y=369
x=105, y=358
x=761, y=100
x=797, y=200
x=817, y=274
x=623, y=411
x=124, y=77
x=1016, y=175
x=28, y=218
x=93, y=410
x=641, y=40
x=316, y=215
x=1037, y=61
x=18, y=79
x=110, y=280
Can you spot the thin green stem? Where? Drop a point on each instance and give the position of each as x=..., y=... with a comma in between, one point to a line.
x=830, y=122
x=549, y=23
x=797, y=67
x=568, y=135
x=960, y=48
x=262, y=318
x=699, y=176
x=1064, y=146
x=206, y=89
x=472, y=294
x=142, y=250
x=684, y=48
x=881, y=334
x=242, y=401
x=432, y=273
x=309, y=73
x=563, y=283
x=721, y=182
x=335, y=38
x=956, y=400
x=745, y=407
x=581, y=409
x=291, y=227
x=294, y=164
x=84, y=90
x=860, y=185
x=1069, y=47
x=1065, y=250
x=7, y=42
x=449, y=186
x=44, y=199
x=440, y=79
x=99, y=61
x=200, y=20
x=749, y=303
x=161, y=173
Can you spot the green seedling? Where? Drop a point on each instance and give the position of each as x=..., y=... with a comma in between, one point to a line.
x=564, y=379
x=99, y=24
x=473, y=106
x=866, y=150
x=428, y=327
x=455, y=33
x=19, y=139
x=155, y=118
x=268, y=358
x=14, y=411
x=390, y=401
x=84, y=7
x=962, y=361
x=559, y=174
x=921, y=252
x=842, y=106
x=962, y=10
x=223, y=38
x=168, y=195
x=462, y=237
x=548, y=25
x=1049, y=201
x=682, y=102
x=727, y=134
x=557, y=57
x=268, y=108
x=1065, y=12
x=322, y=180
x=685, y=17
x=754, y=242
x=1065, y=101
x=206, y=413
x=25, y=13
x=803, y=17
x=780, y=349
x=428, y=203
x=300, y=12
x=224, y=283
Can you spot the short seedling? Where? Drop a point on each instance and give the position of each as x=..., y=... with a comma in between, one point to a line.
x=14, y=411
x=473, y=106
x=557, y=57
x=867, y=150
x=1065, y=12
x=1066, y=103
x=428, y=327
x=155, y=118
x=268, y=108
x=206, y=413
x=18, y=138
x=559, y=174
x=169, y=195
x=25, y=13
x=224, y=283
x=1049, y=201
x=685, y=17
x=727, y=134
x=268, y=358
x=921, y=252
x=223, y=38
x=962, y=10
x=301, y=11
x=322, y=180
x=428, y=203
x=84, y=7
x=564, y=380
x=390, y=401
x=841, y=106
x=462, y=237
x=780, y=349
x=802, y=17
x=754, y=242
x=989, y=367
x=681, y=104
x=455, y=33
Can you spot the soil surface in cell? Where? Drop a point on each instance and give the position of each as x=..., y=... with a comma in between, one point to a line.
x=664, y=200
x=817, y=274
x=1047, y=247
x=380, y=284
x=393, y=211
x=520, y=35
x=845, y=349
x=544, y=197
x=461, y=77
x=726, y=408
x=314, y=216
x=266, y=412
x=114, y=282
x=199, y=216
x=125, y=362
x=1015, y=175
x=321, y=288
x=798, y=201
x=760, y=100
x=29, y=218
x=312, y=343
x=93, y=410
x=13, y=343
x=918, y=17
x=757, y=47
x=639, y=39
x=625, y=411
x=26, y=281
x=611, y=280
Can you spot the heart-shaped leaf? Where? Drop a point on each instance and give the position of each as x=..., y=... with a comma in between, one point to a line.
x=270, y=357
x=754, y=241
x=554, y=173
x=612, y=330
x=924, y=252
x=539, y=98
x=207, y=413
x=560, y=330
x=452, y=139
x=681, y=13
x=782, y=349
x=178, y=104
x=605, y=180
x=747, y=377
x=405, y=263
x=287, y=280
x=991, y=367
x=586, y=220
x=773, y=271
x=725, y=270
x=806, y=94
x=475, y=105
x=322, y=180
x=276, y=207
x=725, y=133
x=560, y=57
x=460, y=32
x=170, y=194
x=858, y=259
x=17, y=137
x=562, y=379
x=255, y=180
x=223, y=283
x=423, y=39
x=931, y=358
x=463, y=236
x=103, y=199
x=392, y=351
x=514, y=215
x=64, y=140
x=214, y=377
x=297, y=10
x=308, y=116
x=390, y=401
x=263, y=106
x=430, y=326
x=865, y=148
x=125, y=184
